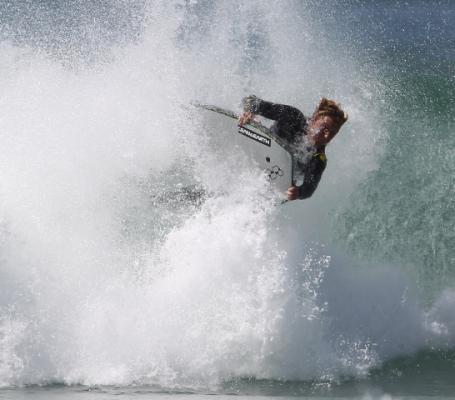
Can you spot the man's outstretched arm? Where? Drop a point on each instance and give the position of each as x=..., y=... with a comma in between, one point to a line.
x=273, y=111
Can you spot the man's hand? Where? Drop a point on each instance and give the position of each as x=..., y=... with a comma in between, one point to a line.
x=246, y=117
x=293, y=193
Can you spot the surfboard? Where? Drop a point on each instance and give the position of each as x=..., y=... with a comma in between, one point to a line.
x=267, y=151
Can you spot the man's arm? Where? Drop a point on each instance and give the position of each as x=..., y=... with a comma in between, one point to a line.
x=312, y=176
x=304, y=191
x=273, y=111
x=308, y=188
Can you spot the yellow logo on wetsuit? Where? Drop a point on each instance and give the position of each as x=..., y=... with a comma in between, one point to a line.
x=321, y=156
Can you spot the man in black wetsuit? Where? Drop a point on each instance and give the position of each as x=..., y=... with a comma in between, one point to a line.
x=307, y=137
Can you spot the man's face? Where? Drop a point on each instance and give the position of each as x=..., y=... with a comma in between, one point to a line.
x=322, y=130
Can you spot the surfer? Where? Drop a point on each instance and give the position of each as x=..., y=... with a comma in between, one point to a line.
x=306, y=137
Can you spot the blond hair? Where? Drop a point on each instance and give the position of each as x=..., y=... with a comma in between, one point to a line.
x=331, y=109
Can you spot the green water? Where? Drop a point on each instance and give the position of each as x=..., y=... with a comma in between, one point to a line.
x=405, y=211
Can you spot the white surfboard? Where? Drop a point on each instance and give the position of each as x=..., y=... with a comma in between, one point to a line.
x=268, y=152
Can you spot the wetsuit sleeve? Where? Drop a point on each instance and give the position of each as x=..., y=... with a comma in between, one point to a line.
x=273, y=111
x=312, y=176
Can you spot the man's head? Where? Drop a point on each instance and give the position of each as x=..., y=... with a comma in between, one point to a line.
x=326, y=121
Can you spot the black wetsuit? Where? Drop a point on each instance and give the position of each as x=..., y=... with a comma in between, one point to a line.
x=290, y=124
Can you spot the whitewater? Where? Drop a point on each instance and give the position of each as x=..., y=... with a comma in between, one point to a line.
x=105, y=279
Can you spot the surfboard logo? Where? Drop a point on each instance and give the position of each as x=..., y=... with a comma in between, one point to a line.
x=274, y=172
x=255, y=136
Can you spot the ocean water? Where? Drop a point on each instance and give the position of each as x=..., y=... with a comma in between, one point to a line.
x=111, y=286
